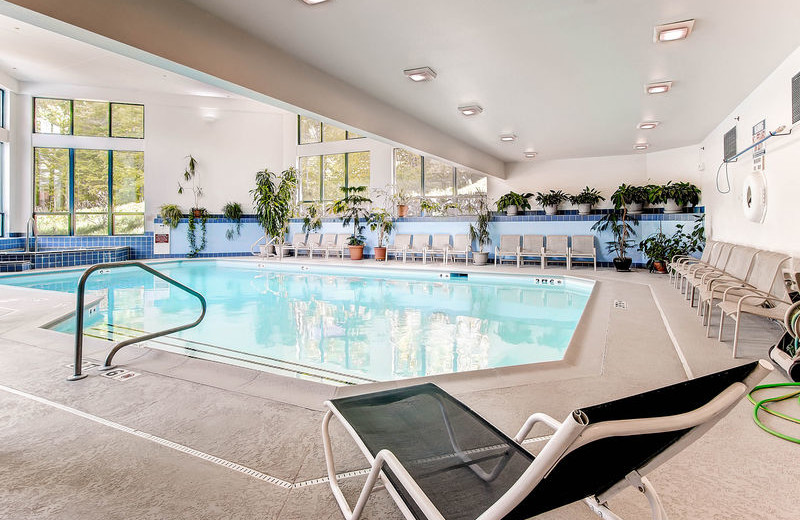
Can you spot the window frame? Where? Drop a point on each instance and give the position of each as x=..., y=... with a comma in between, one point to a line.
x=423, y=159
x=322, y=133
x=321, y=199
x=72, y=117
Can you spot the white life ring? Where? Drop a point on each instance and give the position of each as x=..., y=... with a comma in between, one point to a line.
x=754, y=197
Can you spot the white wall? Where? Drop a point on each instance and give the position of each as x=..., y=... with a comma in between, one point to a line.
x=771, y=100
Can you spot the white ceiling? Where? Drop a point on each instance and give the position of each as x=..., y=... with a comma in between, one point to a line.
x=566, y=76
x=37, y=56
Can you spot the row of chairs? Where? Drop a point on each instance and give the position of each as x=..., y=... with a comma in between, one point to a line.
x=317, y=244
x=735, y=279
x=535, y=248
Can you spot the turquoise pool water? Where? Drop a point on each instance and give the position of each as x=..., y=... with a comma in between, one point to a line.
x=334, y=324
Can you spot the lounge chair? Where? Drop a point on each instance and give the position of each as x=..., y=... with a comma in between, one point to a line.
x=714, y=283
x=532, y=246
x=439, y=246
x=340, y=248
x=298, y=240
x=461, y=246
x=312, y=242
x=401, y=244
x=583, y=249
x=680, y=263
x=439, y=459
x=419, y=243
x=509, y=246
x=328, y=241
x=555, y=247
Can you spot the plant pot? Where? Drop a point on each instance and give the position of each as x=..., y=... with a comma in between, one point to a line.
x=480, y=257
x=672, y=207
x=380, y=253
x=584, y=209
x=623, y=264
x=659, y=266
x=356, y=252
x=265, y=250
x=511, y=210
x=402, y=210
x=197, y=212
x=634, y=207
x=550, y=210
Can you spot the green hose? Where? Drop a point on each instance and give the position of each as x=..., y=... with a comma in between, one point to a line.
x=761, y=405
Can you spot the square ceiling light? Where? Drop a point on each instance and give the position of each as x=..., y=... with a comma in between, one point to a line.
x=671, y=32
x=641, y=146
x=470, y=110
x=313, y=2
x=420, y=74
x=660, y=87
x=530, y=155
x=507, y=138
x=648, y=125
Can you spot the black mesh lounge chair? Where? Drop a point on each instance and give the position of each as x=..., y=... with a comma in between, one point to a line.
x=440, y=460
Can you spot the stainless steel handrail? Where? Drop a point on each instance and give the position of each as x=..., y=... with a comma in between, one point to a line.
x=30, y=228
x=79, y=315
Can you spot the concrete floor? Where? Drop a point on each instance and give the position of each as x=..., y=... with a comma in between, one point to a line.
x=101, y=448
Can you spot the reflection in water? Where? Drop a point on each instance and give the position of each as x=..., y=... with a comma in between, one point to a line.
x=381, y=329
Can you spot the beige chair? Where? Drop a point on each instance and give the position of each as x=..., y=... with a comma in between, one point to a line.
x=713, y=284
x=679, y=264
x=341, y=248
x=328, y=241
x=439, y=246
x=695, y=272
x=509, y=246
x=419, y=244
x=532, y=246
x=312, y=242
x=556, y=246
x=583, y=249
x=398, y=249
x=461, y=246
x=298, y=240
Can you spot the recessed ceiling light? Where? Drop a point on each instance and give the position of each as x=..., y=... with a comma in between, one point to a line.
x=670, y=32
x=641, y=146
x=508, y=137
x=659, y=88
x=648, y=125
x=530, y=155
x=314, y=2
x=470, y=110
x=420, y=74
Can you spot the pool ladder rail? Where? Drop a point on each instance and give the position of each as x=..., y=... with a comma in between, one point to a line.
x=79, y=311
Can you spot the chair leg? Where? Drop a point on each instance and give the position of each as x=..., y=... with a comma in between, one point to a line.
x=721, y=322
x=736, y=335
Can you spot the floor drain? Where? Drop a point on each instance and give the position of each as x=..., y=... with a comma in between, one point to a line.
x=620, y=304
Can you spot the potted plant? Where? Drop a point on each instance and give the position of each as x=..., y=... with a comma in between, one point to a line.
x=621, y=223
x=479, y=233
x=401, y=200
x=587, y=198
x=631, y=197
x=190, y=174
x=513, y=202
x=660, y=248
x=272, y=202
x=312, y=220
x=675, y=196
x=429, y=207
x=351, y=208
x=381, y=222
x=171, y=215
x=551, y=200
x=191, y=232
x=233, y=212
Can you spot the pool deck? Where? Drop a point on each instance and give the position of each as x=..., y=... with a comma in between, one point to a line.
x=141, y=448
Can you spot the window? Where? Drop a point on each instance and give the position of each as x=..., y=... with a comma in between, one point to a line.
x=470, y=183
x=408, y=171
x=418, y=175
x=71, y=191
x=322, y=176
x=88, y=118
x=310, y=131
x=437, y=178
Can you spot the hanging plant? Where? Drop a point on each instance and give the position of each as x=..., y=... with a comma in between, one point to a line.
x=191, y=233
x=171, y=215
x=233, y=211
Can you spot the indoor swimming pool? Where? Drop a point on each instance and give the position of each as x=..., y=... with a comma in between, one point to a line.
x=337, y=325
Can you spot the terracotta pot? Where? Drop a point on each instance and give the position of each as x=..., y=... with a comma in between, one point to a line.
x=660, y=266
x=623, y=264
x=197, y=212
x=380, y=253
x=356, y=252
x=402, y=210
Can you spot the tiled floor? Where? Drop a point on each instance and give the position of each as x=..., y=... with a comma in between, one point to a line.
x=66, y=453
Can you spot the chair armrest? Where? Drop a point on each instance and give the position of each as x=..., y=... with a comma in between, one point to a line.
x=768, y=298
x=532, y=421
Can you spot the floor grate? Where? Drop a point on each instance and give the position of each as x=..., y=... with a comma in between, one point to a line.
x=620, y=304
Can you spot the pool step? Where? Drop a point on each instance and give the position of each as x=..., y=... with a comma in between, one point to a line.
x=212, y=352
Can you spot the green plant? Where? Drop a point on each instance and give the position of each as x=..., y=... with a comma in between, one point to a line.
x=351, y=208
x=233, y=211
x=660, y=247
x=629, y=194
x=171, y=215
x=429, y=206
x=479, y=233
x=272, y=201
x=551, y=198
x=621, y=224
x=382, y=222
x=586, y=196
x=400, y=197
x=191, y=233
x=190, y=174
x=520, y=200
x=312, y=220
x=683, y=193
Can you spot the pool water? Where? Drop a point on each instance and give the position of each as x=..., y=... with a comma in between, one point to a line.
x=334, y=324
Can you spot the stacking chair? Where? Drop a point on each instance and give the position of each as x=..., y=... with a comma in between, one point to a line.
x=340, y=248
x=555, y=247
x=679, y=263
x=694, y=273
x=583, y=249
x=439, y=459
x=298, y=240
x=419, y=243
x=714, y=283
x=438, y=247
x=532, y=246
x=509, y=246
x=401, y=244
x=328, y=241
x=312, y=242
x=461, y=246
